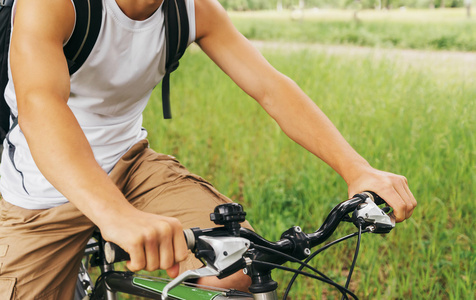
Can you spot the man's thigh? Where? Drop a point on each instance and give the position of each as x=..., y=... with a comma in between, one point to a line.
x=159, y=184
x=40, y=251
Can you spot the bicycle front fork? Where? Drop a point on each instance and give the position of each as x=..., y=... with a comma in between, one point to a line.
x=266, y=296
x=110, y=295
x=263, y=287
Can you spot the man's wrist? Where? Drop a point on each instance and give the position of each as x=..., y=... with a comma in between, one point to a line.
x=354, y=170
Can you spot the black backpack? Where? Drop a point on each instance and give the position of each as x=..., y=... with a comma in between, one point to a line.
x=86, y=31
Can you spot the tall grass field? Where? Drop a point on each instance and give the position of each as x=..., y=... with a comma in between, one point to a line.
x=415, y=117
x=403, y=118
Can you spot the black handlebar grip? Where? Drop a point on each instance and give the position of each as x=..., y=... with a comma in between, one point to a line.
x=113, y=253
x=376, y=198
x=189, y=238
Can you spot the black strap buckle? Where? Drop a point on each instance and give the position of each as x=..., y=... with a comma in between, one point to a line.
x=172, y=67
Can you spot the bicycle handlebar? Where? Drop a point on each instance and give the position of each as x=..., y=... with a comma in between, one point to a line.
x=293, y=242
x=296, y=243
x=229, y=248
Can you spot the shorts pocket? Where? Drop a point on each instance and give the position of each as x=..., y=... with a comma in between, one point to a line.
x=7, y=285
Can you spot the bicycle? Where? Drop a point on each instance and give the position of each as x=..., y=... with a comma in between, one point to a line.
x=227, y=249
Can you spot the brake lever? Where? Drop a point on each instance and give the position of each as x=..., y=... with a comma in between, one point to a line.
x=222, y=256
x=190, y=274
x=369, y=215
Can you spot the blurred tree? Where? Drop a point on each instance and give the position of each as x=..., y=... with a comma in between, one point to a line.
x=467, y=4
x=343, y=4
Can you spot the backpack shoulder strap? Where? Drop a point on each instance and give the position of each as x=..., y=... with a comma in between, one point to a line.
x=85, y=33
x=79, y=46
x=176, y=35
x=5, y=29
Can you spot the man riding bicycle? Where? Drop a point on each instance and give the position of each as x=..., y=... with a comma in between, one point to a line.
x=79, y=158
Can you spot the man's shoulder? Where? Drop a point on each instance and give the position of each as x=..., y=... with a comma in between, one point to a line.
x=53, y=21
x=210, y=15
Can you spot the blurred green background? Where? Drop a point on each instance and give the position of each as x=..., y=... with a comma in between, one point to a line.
x=398, y=82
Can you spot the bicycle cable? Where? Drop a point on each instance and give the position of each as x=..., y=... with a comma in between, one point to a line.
x=291, y=259
x=338, y=286
x=99, y=281
x=357, y=248
x=303, y=265
x=314, y=254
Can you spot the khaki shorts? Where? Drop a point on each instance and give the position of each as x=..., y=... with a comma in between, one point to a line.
x=40, y=250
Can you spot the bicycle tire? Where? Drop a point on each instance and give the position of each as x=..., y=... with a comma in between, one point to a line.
x=79, y=292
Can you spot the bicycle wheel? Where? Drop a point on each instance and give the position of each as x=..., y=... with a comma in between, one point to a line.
x=83, y=283
x=79, y=292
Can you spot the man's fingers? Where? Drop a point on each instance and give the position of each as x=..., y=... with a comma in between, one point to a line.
x=152, y=253
x=180, y=245
x=402, y=199
x=406, y=196
x=408, y=205
x=138, y=260
x=391, y=187
x=159, y=246
x=411, y=199
x=166, y=247
x=173, y=271
x=398, y=204
x=173, y=247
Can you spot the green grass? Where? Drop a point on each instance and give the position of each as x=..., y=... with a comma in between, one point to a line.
x=404, y=118
x=409, y=115
x=447, y=29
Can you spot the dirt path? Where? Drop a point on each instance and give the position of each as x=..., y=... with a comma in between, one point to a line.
x=464, y=57
x=461, y=63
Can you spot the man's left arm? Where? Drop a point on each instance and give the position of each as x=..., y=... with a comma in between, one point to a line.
x=297, y=115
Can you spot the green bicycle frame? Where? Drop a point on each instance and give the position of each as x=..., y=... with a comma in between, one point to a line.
x=152, y=287
x=179, y=292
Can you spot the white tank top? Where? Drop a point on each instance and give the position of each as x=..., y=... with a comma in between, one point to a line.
x=108, y=95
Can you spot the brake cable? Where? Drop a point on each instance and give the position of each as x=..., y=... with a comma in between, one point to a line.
x=314, y=254
x=357, y=248
x=276, y=266
x=324, y=278
x=291, y=259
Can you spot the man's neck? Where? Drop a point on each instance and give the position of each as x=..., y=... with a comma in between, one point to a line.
x=139, y=9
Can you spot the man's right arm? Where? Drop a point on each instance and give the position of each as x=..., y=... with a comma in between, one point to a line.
x=60, y=148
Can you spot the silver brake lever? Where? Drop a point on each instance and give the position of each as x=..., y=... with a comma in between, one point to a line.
x=374, y=217
x=190, y=274
x=226, y=252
